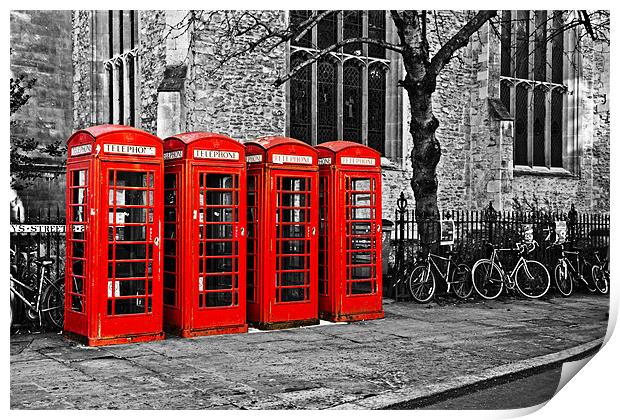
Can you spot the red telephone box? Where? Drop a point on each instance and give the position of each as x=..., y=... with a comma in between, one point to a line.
x=282, y=241
x=204, y=235
x=350, y=284
x=113, y=289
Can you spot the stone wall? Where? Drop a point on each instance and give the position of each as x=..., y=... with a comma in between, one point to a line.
x=152, y=62
x=452, y=107
x=41, y=48
x=597, y=64
x=489, y=164
x=82, y=68
x=395, y=181
x=238, y=99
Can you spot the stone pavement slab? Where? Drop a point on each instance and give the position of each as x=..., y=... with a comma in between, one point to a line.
x=414, y=351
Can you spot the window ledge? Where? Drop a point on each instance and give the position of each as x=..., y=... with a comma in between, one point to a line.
x=520, y=170
x=387, y=163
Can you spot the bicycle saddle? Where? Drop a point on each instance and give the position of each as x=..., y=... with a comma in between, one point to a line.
x=44, y=262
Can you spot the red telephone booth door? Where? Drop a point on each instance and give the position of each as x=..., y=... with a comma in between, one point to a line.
x=133, y=286
x=219, y=240
x=77, y=265
x=362, y=239
x=172, y=287
x=294, y=249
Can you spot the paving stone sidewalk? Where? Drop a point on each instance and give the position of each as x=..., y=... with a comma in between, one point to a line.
x=416, y=347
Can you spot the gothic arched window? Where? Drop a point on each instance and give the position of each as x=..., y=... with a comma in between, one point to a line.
x=301, y=96
x=533, y=86
x=326, y=101
x=346, y=93
x=352, y=101
x=376, y=107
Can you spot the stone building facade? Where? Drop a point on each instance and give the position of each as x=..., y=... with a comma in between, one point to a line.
x=41, y=47
x=178, y=85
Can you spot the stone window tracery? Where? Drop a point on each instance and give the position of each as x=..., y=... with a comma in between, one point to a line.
x=121, y=66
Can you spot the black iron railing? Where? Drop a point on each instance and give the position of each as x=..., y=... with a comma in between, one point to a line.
x=40, y=236
x=416, y=233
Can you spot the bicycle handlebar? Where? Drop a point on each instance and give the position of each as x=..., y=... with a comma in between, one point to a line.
x=522, y=248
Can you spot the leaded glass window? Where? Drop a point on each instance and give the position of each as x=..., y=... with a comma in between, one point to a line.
x=506, y=59
x=301, y=97
x=327, y=31
x=326, y=101
x=521, y=114
x=376, y=30
x=352, y=101
x=376, y=108
x=352, y=28
x=297, y=17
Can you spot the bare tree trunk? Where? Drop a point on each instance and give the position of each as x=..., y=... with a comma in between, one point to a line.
x=420, y=83
x=424, y=158
x=426, y=151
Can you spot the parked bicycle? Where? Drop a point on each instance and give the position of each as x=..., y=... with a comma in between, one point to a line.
x=529, y=277
x=604, y=264
x=423, y=278
x=572, y=268
x=42, y=297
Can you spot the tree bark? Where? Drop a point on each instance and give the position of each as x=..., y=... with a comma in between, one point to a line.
x=426, y=150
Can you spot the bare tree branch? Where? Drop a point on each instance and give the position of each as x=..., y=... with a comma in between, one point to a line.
x=587, y=24
x=459, y=40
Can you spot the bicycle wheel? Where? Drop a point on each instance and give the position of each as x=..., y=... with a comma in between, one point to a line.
x=52, y=305
x=487, y=279
x=532, y=279
x=461, y=281
x=421, y=284
x=599, y=279
x=563, y=280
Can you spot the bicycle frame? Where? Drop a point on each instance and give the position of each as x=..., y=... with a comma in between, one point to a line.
x=579, y=270
x=445, y=275
x=431, y=261
x=581, y=263
x=19, y=295
x=508, y=278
